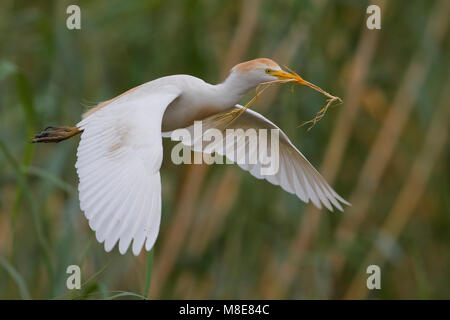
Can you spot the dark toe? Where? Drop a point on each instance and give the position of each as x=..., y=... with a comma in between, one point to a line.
x=42, y=134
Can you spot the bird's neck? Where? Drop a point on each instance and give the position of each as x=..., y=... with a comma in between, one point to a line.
x=231, y=91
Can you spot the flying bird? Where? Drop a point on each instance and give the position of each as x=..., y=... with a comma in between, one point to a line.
x=120, y=152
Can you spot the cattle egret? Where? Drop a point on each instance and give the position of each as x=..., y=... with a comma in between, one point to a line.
x=120, y=151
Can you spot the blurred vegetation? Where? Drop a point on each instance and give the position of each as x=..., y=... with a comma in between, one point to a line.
x=225, y=234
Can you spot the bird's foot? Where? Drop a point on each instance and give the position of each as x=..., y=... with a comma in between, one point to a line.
x=55, y=134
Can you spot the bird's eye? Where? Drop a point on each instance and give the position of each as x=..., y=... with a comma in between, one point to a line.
x=268, y=70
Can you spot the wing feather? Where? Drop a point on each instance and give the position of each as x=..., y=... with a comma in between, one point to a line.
x=295, y=175
x=118, y=162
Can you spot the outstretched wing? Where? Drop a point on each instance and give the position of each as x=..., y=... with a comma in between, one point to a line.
x=119, y=157
x=295, y=174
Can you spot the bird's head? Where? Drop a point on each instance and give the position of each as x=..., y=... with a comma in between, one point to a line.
x=262, y=70
x=252, y=73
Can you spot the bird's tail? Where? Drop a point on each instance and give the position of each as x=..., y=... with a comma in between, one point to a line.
x=55, y=134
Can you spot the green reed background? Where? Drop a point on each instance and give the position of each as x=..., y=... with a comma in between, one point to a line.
x=225, y=234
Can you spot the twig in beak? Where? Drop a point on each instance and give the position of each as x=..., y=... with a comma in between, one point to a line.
x=321, y=113
x=235, y=113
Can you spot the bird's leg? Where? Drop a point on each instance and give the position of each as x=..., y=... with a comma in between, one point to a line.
x=56, y=134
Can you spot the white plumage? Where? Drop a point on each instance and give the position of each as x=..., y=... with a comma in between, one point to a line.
x=295, y=175
x=120, y=152
x=119, y=157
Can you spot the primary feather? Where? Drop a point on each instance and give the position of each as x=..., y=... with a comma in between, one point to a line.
x=295, y=175
x=119, y=157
